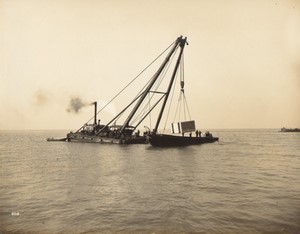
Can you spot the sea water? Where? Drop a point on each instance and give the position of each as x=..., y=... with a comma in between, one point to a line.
x=248, y=182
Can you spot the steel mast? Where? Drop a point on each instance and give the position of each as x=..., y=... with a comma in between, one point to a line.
x=182, y=44
x=178, y=42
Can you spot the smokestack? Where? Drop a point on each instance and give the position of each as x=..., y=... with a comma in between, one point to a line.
x=95, y=115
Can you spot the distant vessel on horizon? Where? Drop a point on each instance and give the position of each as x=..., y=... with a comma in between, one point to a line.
x=289, y=129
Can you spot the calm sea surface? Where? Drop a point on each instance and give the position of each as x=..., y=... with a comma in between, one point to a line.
x=248, y=182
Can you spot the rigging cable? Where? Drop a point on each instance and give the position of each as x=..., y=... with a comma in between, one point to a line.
x=182, y=84
x=167, y=117
x=170, y=105
x=129, y=83
x=181, y=99
x=185, y=103
x=184, y=97
x=149, y=104
x=157, y=85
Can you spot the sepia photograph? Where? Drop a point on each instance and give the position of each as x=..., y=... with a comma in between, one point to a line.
x=151, y=117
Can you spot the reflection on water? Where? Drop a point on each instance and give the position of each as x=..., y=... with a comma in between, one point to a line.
x=247, y=182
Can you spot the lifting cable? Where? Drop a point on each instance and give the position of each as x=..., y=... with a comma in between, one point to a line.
x=172, y=95
x=130, y=83
x=157, y=85
x=182, y=102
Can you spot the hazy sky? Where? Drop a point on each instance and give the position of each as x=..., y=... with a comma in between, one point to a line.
x=242, y=64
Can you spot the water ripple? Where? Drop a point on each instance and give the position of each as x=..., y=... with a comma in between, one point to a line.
x=246, y=183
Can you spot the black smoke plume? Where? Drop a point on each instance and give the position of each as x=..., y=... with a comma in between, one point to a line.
x=75, y=104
